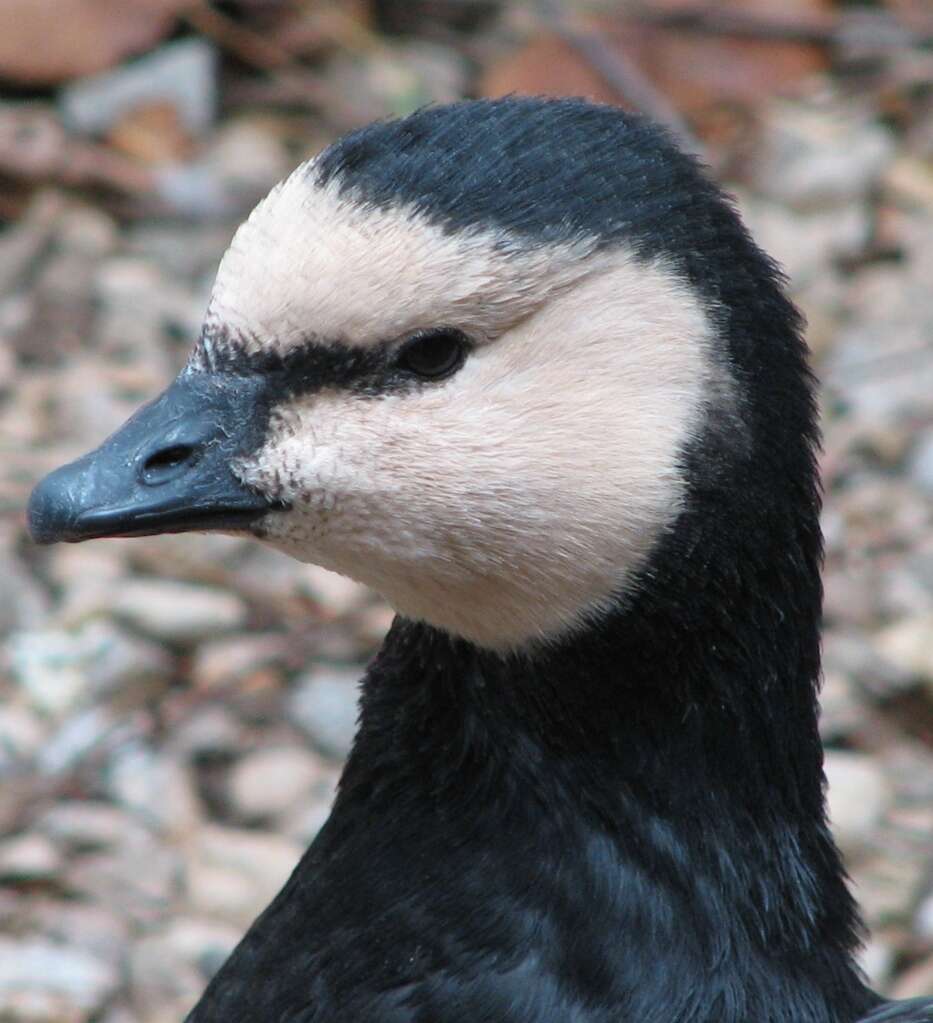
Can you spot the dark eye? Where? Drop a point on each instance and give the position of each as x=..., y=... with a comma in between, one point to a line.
x=435, y=354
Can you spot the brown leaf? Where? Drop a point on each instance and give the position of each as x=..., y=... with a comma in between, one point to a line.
x=47, y=41
x=697, y=70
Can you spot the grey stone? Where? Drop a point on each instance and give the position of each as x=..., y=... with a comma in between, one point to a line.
x=812, y=157
x=28, y=857
x=61, y=669
x=176, y=611
x=908, y=644
x=324, y=705
x=181, y=73
x=921, y=463
x=269, y=782
x=858, y=795
x=46, y=968
x=232, y=874
x=21, y=736
x=155, y=787
x=80, y=826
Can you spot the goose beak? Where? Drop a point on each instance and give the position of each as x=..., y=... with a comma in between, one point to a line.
x=166, y=470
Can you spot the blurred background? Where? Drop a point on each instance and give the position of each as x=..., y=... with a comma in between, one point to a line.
x=174, y=711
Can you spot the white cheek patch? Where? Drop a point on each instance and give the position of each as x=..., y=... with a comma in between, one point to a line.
x=509, y=502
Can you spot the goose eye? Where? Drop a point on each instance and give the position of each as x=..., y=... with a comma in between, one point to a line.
x=434, y=355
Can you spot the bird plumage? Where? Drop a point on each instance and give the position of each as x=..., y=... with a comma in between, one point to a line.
x=587, y=781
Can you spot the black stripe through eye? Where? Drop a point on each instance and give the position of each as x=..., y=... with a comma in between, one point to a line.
x=314, y=365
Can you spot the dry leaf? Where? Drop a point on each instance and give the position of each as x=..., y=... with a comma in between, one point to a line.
x=47, y=41
x=697, y=71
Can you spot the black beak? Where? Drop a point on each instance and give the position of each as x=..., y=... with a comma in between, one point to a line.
x=166, y=470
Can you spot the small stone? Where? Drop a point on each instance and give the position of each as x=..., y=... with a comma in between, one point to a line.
x=28, y=857
x=814, y=157
x=35, y=965
x=270, y=782
x=223, y=661
x=58, y=669
x=917, y=982
x=921, y=463
x=159, y=976
x=81, y=826
x=876, y=959
x=924, y=919
x=324, y=705
x=87, y=231
x=33, y=1006
x=305, y=822
x=21, y=735
x=84, y=925
x=853, y=655
x=23, y=604
x=180, y=73
x=77, y=737
x=136, y=884
x=887, y=882
x=46, y=664
x=156, y=787
x=840, y=709
x=210, y=732
x=858, y=795
x=336, y=594
x=178, y=612
x=233, y=874
x=203, y=943
x=908, y=644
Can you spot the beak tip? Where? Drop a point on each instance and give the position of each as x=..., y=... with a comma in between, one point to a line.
x=50, y=512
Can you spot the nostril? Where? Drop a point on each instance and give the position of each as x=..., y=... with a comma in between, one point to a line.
x=163, y=464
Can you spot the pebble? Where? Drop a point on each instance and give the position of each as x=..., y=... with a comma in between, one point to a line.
x=47, y=668
x=21, y=735
x=84, y=925
x=45, y=968
x=232, y=874
x=908, y=644
x=178, y=612
x=915, y=982
x=337, y=595
x=841, y=711
x=160, y=977
x=853, y=655
x=269, y=782
x=924, y=918
x=876, y=959
x=28, y=857
x=210, y=732
x=137, y=885
x=155, y=787
x=80, y=826
x=77, y=737
x=61, y=669
x=813, y=158
x=203, y=943
x=324, y=705
x=180, y=73
x=858, y=795
x=224, y=661
x=921, y=463
x=306, y=820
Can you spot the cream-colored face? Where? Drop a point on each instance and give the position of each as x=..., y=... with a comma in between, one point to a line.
x=512, y=499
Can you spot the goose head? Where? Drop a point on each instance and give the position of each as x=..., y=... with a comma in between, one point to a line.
x=463, y=358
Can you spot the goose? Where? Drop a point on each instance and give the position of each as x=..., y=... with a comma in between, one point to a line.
x=517, y=365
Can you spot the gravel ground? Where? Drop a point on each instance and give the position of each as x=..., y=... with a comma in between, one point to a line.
x=174, y=711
